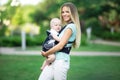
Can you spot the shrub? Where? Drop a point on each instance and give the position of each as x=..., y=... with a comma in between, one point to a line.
x=83, y=40
x=108, y=36
x=16, y=41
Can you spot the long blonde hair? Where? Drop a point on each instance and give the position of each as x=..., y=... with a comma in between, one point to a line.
x=75, y=18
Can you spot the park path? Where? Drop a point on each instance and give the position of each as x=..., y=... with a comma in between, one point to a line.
x=100, y=41
x=14, y=51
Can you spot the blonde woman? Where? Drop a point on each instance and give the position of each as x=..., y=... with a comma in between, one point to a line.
x=70, y=36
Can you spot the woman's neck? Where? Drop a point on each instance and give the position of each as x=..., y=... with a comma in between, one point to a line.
x=70, y=22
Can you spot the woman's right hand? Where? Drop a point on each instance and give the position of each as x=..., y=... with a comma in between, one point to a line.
x=43, y=54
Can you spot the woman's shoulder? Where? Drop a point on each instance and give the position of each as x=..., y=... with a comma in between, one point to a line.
x=71, y=25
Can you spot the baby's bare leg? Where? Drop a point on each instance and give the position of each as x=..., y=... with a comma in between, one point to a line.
x=48, y=61
x=43, y=65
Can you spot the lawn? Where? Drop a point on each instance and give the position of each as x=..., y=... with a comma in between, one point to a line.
x=16, y=67
x=99, y=47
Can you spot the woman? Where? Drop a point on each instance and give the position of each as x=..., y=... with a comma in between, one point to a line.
x=71, y=33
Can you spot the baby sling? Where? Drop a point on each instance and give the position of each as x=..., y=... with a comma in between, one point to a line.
x=50, y=42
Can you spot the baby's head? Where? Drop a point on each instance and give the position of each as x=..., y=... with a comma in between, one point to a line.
x=55, y=24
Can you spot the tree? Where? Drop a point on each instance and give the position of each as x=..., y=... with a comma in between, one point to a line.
x=18, y=18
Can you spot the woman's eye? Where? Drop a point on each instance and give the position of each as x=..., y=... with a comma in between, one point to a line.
x=67, y=11
x=62, y=11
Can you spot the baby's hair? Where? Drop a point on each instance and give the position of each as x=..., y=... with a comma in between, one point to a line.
x=53, y=21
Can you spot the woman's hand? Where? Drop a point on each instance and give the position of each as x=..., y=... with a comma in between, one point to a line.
x=43, y=53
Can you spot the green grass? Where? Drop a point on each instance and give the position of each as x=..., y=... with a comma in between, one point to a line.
x=15, y=67
x=99, y=47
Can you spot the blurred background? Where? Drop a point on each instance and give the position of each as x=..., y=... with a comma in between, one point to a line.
x=23, y=25
x=100, y=19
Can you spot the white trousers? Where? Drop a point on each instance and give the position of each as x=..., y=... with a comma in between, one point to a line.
x=56, y=71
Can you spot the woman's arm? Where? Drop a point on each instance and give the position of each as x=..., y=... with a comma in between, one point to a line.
x=60, y=45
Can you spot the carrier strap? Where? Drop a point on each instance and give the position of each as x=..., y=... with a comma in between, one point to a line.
x=66, y=49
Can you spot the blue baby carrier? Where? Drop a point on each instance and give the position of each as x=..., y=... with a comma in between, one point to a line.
x=50, y=42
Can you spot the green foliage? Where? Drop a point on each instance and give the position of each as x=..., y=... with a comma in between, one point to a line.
x=10, y=10
x=28, y=10
x=10, y=41
x=18, y=18
x=113, y=15
x=96, y=28
x=16, y=41
x=2, y=30
x=38, y=16
x=36, y=40
x=111, y=36
x=89, y=10
x=83, y=40
x=46, y=11
x=30, y=41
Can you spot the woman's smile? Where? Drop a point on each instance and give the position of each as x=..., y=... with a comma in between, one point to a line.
x=66, y=14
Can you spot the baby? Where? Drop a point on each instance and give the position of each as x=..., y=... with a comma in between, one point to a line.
x=55, y=25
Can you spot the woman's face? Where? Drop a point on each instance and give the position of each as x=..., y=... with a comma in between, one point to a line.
x=66, y=14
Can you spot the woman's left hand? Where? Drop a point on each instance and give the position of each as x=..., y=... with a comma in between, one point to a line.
x=43, y=53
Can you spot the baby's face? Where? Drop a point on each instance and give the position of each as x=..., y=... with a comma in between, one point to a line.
x=56, y=27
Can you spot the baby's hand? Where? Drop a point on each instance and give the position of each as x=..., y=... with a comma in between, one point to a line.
x=56, y=37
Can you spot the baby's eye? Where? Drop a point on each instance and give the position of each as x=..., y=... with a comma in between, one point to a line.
x=55, y=24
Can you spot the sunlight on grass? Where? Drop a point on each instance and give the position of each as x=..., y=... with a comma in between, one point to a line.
x=82, y=68
x=98, y=47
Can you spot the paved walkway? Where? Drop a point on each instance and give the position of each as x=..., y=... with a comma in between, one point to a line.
x=99, y=41
x=14, y=51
